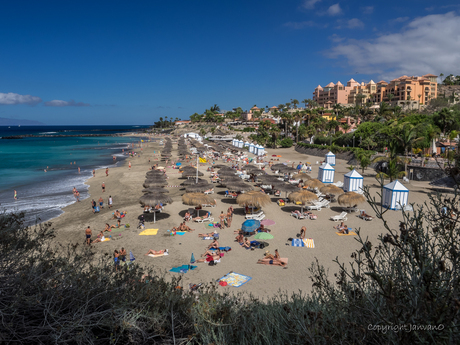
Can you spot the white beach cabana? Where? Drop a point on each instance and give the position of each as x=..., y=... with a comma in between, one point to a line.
x=261, y=151
x=256, y=149
x=395, y=196
x=353, y=182
x=330, y=158
x=234, y=141
x=240, y=144
x=326, y=173
x=251, y=147
x=246, y=144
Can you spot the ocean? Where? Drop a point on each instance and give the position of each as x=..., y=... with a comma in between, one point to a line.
x=42, y=195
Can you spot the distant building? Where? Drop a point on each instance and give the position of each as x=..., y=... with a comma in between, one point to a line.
x=182, y=122
x=417, y=89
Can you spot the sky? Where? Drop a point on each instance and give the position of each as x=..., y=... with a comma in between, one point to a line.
x=120, y=62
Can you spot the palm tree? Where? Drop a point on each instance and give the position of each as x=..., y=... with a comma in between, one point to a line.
x=390, y=97
x=295, y=102
x=274, y=132
x=419, y=96
x=406, y=137
x=297, y=118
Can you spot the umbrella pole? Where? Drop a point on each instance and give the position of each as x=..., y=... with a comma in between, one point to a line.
x=154, y=217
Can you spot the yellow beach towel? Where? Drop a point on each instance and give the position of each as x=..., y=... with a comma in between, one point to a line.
x=148, y=232
x=105, y=239
x=351, y=233
x=309, y=243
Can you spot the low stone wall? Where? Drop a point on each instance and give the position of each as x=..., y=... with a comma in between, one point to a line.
x=425, y=174
x=321, y=153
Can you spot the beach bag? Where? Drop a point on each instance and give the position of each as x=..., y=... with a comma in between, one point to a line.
x=96, y=209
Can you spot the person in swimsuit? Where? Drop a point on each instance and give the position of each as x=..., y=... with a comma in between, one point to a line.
x=246, y=243
x=99, y=238
x=122, y=256
x=15, y=195
x=106, y=171
x=94, y=173
x=103, y=187
x=93, y=205
x=303, y=231
x=116, y=260
x=110, y=201
x=88, y=234
x=222, y=219
x=107, y=227
x=101, y=202
x=157, y=252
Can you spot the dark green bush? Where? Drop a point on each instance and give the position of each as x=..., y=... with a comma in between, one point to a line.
x=286, y=142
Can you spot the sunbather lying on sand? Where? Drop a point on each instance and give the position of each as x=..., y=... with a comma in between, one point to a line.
x=303, y=231
x=263, y=229
x=341, y=226
x=210, y=258
x=211, y=252
x=201, y=218
x=273, y=259
x=365, y=215
x=157, y=252
x=211, y=234
x=187, y=216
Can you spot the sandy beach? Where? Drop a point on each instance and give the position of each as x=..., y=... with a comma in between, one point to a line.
x=125, y=184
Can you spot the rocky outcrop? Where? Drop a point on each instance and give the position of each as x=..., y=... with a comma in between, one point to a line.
x=321, y=153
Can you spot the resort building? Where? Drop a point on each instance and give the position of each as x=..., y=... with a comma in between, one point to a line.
x=419, y=90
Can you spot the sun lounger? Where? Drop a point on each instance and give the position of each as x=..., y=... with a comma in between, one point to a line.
x=298, y=215
x=340, y=217
x=202, y=220
x=338, y=184
x=209, y=191
x=254, y=215
x=313, y=207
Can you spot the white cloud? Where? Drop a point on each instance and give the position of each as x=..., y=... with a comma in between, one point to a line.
x=355, y=23
x=429, y=44
x=11, y=98
x=336, y=38
x=299, y=25
x=309, y=4
x=334, y=10
x=368, y=9
x=71, y=103
x=399, y=20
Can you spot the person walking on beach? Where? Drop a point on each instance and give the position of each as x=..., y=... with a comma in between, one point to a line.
x=15, y=195
x=229, y=217
x=110, y=201
x=103, y=187
x=106, y=171
x=93, y=205
x=101, y=202
x=129, y=165
x=88, y=234
x=94, y=173
x=77, y=196
x=222, y=219
x=78, y=169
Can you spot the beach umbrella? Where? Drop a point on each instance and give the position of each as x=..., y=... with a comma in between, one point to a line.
x=155, y=190
x=155, y=176
x=351, y=199
x=331, y=189
x=288, y=170
x=160, y=168
x=155, y=179
x=199, y=187
x=148, y=184
x=303, y=197
x=250, y=225
x=278, y=166
x=314, y=183
x=263, y=236
x=192, y=259
x=222, y=172
x=152, y=199
x=220, y=166
x=253, y=198
x=269, y=178
x=256, y=172
x=192, y=173
x=285, y=187
x=239, y=186
x=197, y=200
x=192, y=181
x=302, y=176
x=267, y=222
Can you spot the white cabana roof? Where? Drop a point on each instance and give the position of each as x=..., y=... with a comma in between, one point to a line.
x=396, y=186
x=353, y=174
x=326, y=166
x=330, y=154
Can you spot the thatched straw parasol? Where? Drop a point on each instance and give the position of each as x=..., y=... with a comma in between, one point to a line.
x=220, y=166
x=278, y=166
x=148, y=184
x=253, y=198
x=151, y=199
x=289, y=170
x=200, y=187
x=239, y=186
x=269, y=178
x=303, y=197
x=192, y=181
x=223, y=172
x=197, y=199
x=331, y=189
x=285, y=187
x=314, y=183
x=256, y=172
x=302, y=176
x=155, y=190
x=192, y=173
x=351, y=199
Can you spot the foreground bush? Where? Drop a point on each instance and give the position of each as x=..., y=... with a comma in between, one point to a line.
x=409, y=279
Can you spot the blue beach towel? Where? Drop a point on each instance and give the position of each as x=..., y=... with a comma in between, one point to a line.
x=182, y=269
x=297, y=242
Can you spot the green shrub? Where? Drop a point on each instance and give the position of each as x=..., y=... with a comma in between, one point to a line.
x=286, y=142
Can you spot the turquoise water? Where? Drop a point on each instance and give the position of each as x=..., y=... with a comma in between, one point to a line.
x=42, y=194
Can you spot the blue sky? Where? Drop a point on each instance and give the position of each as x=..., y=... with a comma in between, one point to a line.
x=113, y=62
